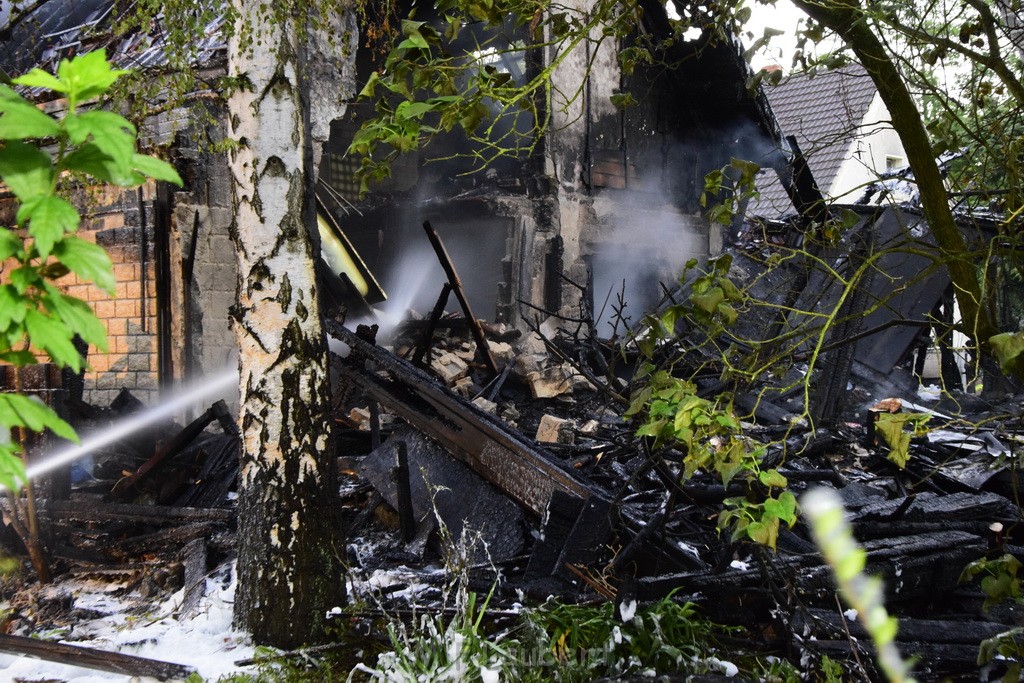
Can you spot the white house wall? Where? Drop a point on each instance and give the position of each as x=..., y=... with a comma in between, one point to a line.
x=874, y=143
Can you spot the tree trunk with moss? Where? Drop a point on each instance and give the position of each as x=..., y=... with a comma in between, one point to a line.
x=289, y=570
x=852, y=24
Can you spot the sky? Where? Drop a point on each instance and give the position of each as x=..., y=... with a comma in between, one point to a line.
x=782, y=16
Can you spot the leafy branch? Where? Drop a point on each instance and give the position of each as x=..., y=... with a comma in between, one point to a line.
x=88, y=144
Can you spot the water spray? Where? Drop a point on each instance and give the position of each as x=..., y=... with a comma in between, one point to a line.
x=185, y=397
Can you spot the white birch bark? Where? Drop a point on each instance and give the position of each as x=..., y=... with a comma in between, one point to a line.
x=287, y=565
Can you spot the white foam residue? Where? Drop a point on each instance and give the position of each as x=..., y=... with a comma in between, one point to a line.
x=205, y=640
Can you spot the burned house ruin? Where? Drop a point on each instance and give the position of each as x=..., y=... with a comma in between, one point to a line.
x=609, y=199
x=506, y=429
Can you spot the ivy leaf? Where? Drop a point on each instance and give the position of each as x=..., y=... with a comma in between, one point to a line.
x=623, y=100
x=708, y=301
x=25, y=411
x=86, y=260
x=783, y=507
x=773, y=478
x=54, y=337
x=22, y=119
x=727, y=421
x=48, y=217
x=26, y=169
x=765, y=532
x=158, y=169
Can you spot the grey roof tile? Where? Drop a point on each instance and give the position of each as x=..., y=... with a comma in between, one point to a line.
x=823, y=111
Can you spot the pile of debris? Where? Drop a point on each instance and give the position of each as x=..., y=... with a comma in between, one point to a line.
x=520, y=439
x=601, y=515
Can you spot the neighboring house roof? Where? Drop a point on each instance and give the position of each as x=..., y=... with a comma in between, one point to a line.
x=823, y=111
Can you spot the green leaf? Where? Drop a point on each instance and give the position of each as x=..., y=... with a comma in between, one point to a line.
x=727, y=421
x=623, y=100
x=37, y=78
x=412, y=110
x=890, y=426
x=24, y=278
x=474, y=115
x=783, y=507
x=728, y=470
x=12, y=469
x=773, y=478
x=91, y=160
x=86, y=260
x=652, y=428
x=25, y=411
x=26, y=169
x=22, y=119
x=370, y=86
x=19, y=358
x=765, y=532
x=48, y=218
x=414, y=36
x=1008, y=349
x=110, y=132
x=79, y=317
x=12, y=307
x=87, y=76
x=158, y=169
x=708, y=301
x=10, y=244
x=54, y=337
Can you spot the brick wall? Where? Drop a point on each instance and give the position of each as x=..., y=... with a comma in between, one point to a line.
x=122, y=222
x=201, y=235
x=112, y=219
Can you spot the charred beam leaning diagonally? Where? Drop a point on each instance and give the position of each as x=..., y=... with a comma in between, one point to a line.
x=483, y=349
x=498, y=454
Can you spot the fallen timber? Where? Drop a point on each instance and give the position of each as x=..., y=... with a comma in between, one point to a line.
x=92, y=658
x=497, y=453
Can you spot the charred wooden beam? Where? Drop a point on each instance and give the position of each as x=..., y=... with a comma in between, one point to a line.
x=483, y=349
x=194, y=556
x=915, y=567
x=126, y=486
x=406, y=518
x=91, y=510
x=92, y=658
x=498, y=454
x=802, y=188
x=428, y=334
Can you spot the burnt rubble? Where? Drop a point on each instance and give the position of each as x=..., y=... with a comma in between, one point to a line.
x=609, y=519
x=466, y=427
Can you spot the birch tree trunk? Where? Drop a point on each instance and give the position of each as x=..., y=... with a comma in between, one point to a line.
x=289, y=572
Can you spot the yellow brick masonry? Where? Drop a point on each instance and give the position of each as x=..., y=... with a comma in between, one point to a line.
x=131, y=331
